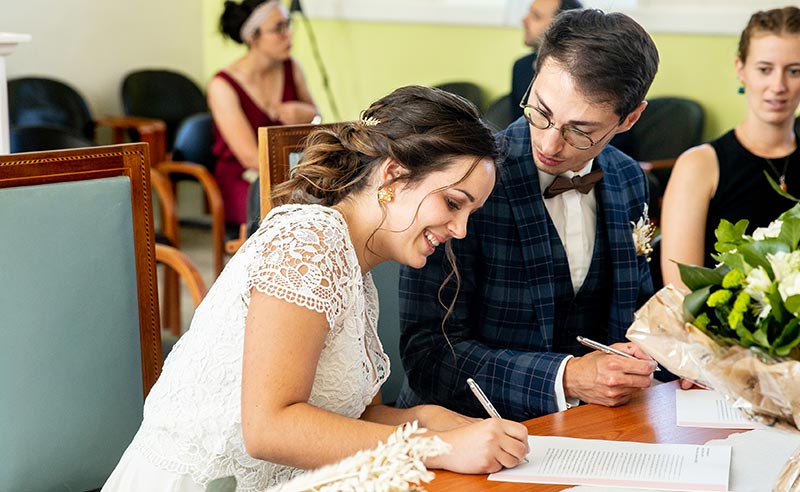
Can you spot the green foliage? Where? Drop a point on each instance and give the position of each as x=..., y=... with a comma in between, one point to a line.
x=788, y=339
x=732, y=259
x=697, y=277
x=778, y=190
x=694, y=303
x=790, y=230
x=737, y=302
x=792, y=304
x=729, y=236
x=755, y=253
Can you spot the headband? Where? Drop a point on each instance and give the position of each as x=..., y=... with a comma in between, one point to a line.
x=255, y=19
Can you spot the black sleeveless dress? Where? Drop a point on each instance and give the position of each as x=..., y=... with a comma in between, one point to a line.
x=743, y=191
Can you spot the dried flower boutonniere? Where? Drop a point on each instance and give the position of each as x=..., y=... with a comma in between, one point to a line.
x=643, y=230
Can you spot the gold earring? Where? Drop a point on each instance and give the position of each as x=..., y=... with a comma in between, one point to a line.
x=385, y=195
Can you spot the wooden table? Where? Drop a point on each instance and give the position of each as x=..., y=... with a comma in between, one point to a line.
x=649, y=417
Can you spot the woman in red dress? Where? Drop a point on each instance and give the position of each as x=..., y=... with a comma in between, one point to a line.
x=264, y=87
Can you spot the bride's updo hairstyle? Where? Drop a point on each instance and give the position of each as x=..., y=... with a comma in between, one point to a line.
x=422, y=128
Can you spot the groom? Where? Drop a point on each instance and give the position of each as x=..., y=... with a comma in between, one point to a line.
x=543, y=264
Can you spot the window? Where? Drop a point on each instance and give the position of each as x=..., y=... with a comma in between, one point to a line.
x=657, y=16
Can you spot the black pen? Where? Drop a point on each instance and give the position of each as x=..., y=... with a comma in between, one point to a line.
x=605, y=348
x=485, y=403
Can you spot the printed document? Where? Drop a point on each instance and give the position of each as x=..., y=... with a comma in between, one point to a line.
x=704, y=408
x=569, y=461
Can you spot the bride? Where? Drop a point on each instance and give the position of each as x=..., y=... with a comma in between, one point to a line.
x=281, y=368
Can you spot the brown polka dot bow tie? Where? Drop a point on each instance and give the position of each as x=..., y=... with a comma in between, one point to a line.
x=584, y=184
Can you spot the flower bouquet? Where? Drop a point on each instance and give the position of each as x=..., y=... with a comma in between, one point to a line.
x=738, y=329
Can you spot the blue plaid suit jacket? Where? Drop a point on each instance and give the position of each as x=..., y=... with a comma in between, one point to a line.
x=501, y=329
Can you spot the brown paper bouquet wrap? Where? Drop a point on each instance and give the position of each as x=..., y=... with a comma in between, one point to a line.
x=770, y=387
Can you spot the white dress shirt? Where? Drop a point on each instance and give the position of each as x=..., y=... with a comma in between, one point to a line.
x=575, y=217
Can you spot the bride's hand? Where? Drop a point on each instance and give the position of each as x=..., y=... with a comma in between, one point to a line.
x=486, y=446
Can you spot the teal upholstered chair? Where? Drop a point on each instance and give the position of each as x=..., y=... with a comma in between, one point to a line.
x=80, y=342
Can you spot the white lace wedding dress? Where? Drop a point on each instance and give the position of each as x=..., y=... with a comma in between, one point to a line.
x=192, y=433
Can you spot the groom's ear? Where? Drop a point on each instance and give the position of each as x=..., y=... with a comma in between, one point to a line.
x=632, y=117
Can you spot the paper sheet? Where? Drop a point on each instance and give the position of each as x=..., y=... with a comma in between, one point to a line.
x=678, y=467
x=757, y=458
x=703, y=408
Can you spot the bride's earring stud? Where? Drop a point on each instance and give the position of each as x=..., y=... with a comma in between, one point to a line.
x=385, y=195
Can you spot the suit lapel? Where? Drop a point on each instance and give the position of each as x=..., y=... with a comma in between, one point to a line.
x=521, y=183
x=620, y=239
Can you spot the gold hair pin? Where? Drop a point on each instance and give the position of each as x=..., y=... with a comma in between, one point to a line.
x=370, y=121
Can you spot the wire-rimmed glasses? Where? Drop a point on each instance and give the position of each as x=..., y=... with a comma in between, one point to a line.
x=576, y=138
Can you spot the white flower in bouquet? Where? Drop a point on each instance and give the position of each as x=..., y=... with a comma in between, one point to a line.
x=786, y=267
x=757, y=283
x=789, y=286
x=394, y=466
x=784, y=264
x=759, y=286
x=772, y=230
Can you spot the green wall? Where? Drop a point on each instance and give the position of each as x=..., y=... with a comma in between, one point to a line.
x=366, y=60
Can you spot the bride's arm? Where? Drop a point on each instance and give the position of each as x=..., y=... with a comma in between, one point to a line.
x=282, y=346
x=432, y=417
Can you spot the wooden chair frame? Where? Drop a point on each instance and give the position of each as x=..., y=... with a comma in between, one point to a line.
x=150, y=130
x=179, y=262
x=275, y=146
x=213, y=198
x=131, y=161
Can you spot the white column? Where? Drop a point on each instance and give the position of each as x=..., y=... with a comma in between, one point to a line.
x=8, y=42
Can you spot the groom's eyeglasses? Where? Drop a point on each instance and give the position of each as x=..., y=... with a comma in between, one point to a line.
x=576, y=138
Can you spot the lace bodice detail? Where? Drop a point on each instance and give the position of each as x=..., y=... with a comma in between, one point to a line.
x=192, y=416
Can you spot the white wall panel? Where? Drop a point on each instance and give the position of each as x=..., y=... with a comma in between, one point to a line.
x=91, y=44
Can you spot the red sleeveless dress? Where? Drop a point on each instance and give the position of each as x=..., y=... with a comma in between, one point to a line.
x=228, y=171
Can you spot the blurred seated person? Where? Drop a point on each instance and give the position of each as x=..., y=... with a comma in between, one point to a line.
x=265, y=87
x=725, y=179
x=539, y=15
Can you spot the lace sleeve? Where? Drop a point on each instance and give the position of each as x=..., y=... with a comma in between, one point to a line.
x=303, y=260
